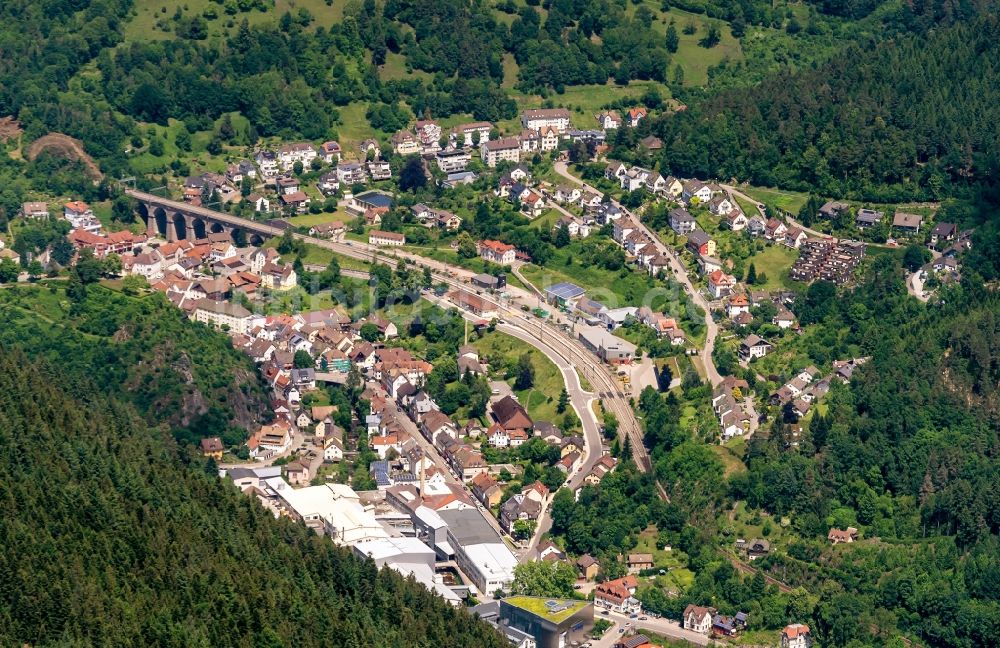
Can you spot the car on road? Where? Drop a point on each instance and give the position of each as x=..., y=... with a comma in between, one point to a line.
x=644, y=618
x=633, y=616
x=604, y=612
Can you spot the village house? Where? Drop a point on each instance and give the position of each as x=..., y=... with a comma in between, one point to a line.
x=906, y=223
x=698, y=619
x=700, y=243
x=845, y=536
x=289, y=154
x=212, y=447
x=609, y=120
x=405, y=143
x=497, y=252
x=539, y=118
x=35, y=210
x=618, y=595
x=796, y=635
x=588, y=567
x=638, y=562
x=634, y=116
x=500, y=150
x=721, y=284
x=866, y=218
x=386, y=239
x=696, y=190
x=474, y=304
x=681, y=221
x=753, y=347
x=329, y=152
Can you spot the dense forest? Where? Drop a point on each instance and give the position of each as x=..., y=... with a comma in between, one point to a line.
x=113, y=536
x=140, y=349
x=912, y=117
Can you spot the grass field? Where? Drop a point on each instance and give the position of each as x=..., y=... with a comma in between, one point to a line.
x=583, y=101
x=790, y=201
x=730, y=457
x=316, y=255
x=148, y=13
x=540, y=400
x=308, y=220
x=774, y=261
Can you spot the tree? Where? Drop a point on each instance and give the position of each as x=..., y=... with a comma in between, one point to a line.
x=62, y=251
x=35, y=269
x=8, y=271
x=915, y=256
x=297, y=167
x=711, y=37
x=466, y=246
x=563, y=401
x=562, y=237
x=370, y=332
x=751, y=275
x=544, y=578
x=302, y=360
x=525, y=374
x=672, y=39
x=89, y=268
x=412, y=176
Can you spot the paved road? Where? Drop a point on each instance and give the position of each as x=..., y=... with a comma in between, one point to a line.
x=680, y=274
x=661, y=626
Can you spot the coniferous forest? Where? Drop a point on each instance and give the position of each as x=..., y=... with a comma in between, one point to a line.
x=114, y=535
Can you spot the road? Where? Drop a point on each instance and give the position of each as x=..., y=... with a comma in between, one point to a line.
x=568, y=347
x=660, y=626
x=680, y=274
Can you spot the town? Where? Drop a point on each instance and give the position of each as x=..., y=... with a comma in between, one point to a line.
x=314, y=260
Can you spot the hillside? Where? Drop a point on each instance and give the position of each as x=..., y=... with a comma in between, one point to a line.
x=142, y=350
x=112, y=537
x=910, y=118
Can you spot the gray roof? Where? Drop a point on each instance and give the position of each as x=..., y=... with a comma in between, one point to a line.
x=468, y=527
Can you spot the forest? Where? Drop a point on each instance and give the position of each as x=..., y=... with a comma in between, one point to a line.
x=907, y=453
x=115, y=536
x=914, y=117
x=142, y=350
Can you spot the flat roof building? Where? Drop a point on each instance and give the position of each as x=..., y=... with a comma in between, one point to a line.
x=553, y=623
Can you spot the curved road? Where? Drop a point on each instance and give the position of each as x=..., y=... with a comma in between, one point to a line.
x=680, y=274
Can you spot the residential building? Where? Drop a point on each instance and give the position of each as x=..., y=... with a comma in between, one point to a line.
x=386, y=239
x=696, y=189
x=289, y=154
x=35, y=210
x=700, y=243
x=539, y=118
x=845, y=536
x=681, y=221
x=866, y=218
x=618, y=595
x=906, y=223
x=351, y=173
x=330, y=152
x=754, y=346
x=465, y=135
x=796, y=635
x=223, y=314
x=609, y=120
x=497, y=252
x=454, y=160
x=405, y=143
x=500, y=150
x=212, y=447
x=698, y=619
x=588, y=567
x=638, y=562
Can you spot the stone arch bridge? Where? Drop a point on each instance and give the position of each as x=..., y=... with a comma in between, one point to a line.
x=177, y=221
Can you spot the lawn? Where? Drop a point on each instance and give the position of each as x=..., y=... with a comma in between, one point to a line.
x=355, y=128
x=614, y=288
x=316, y=255
x=790, y=201
x=147, y=13
x=692, y=57
x=774, y=261
x=308, y=220
x=541, y=399
x=730, y=454
x=583, y=101
x=662, y=559
x=395, y=69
